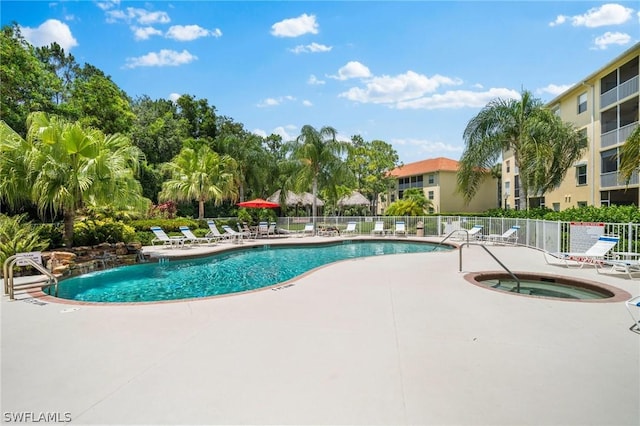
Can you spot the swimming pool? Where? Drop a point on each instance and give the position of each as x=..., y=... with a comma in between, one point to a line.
x=224, y=273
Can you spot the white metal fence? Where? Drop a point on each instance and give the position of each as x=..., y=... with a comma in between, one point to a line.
x=552, y=236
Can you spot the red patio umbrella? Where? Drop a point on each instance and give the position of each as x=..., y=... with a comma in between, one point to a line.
x=259, y=203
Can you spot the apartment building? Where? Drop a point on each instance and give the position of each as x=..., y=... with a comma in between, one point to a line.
x=437, y=179
x=604, y=108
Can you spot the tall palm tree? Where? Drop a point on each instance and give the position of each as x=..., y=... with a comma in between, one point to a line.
x=317, y=155
x=201, y=175
x=630, y=155
x=60, y=165
x=543, y=146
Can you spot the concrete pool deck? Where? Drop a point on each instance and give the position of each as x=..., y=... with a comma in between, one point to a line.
x=388, y=340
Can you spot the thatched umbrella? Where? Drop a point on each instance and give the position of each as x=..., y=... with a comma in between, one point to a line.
x=293, y=199
x=354, y=199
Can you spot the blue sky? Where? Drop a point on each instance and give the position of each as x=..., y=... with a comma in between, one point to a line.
x=409, y=73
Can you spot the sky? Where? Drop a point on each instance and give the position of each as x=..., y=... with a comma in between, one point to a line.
x=410, y=73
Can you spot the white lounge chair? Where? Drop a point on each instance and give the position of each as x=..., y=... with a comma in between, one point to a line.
x=510, y=236
x=214, y=232
x=308, y=230
x=235, y=236
x=633, y=306
x=627, y=266
x=400, y=229
x=475, y=233
x=594, y=255
x=350, y=229
x=166, y=240
x=378, y=228
x=263, y=229
x=190, y=236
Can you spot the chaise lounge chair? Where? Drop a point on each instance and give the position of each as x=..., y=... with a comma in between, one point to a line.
x=190, y=236
x=166, y=240
x=594, y=255
x=350, y=229
x=214, y=232
x=475, y=233
x=627, y=266
x=235, y=236
x=400, y=229
x=510, y=236
x=308, y=230
x=378, y=228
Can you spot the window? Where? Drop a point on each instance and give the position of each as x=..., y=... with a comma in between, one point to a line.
x=431, y=210
x=400, y=194
x=604, y=198
x=556, y=110
x=582, y=204
x=582, y=103
x=508, y=164
x=431, y=179
x=556, y=207
x=507, y=188
x=430, y=195
x=581, y=174
x=609, y=161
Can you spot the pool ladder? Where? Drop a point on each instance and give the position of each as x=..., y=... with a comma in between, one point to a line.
x=485, y=249
x=9, y=287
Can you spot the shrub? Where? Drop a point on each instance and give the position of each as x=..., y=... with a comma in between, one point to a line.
x=169, y=225
x=92, y=232
x=19, y=236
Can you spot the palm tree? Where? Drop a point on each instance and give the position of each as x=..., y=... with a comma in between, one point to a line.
x=413, y=203
x=201, y=175
x=317, y=155
x=543, y=146
x=61, y=165
x=630, y=155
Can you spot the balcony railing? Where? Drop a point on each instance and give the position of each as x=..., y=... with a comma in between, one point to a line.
x=622, y=91
x=613, y=179
x=617, y=136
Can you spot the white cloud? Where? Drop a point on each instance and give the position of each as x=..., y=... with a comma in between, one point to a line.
x=423, y=146
x=164, y=58
x=174, y=97
x=403, y=87
x=313, y=80
x=106, y=5
x=458, y=99
x=608, y=38
x=311, y=48
x=49, y=31
x=560, y=19
x=141, y=16
x=259, y=132
x=144, y=33
x=607, y=14
x=294, y=27
x=190, y=32
x=269, y=102
x=307, y=103
x=353, y=69
x=283, y=131
x=554, y=89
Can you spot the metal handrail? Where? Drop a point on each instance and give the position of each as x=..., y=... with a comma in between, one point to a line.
x=7, y=270
x=466, y=231
x=497, y=260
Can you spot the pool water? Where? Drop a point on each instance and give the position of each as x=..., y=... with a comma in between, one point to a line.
x=547, y=288
x=224, y=273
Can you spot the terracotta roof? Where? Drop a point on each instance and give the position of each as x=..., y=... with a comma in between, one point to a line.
x=426, y=166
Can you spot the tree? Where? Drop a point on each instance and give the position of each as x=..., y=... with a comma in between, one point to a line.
x=156, y=129
x=100, y=103
x=543, y=146
x=413, y=203
x=61, y=165
x=318, y=163
x=630, y=155
x=201, y=175
x=370, y=162
x=27, y=84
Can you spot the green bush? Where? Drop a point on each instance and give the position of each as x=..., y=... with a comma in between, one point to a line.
x=19, y=236
x=92, y=232
x=169, y=225
x=52, y=232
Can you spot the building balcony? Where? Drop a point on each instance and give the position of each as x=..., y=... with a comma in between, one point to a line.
x=613, y=179
x=617, y=136
x=619, y=92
